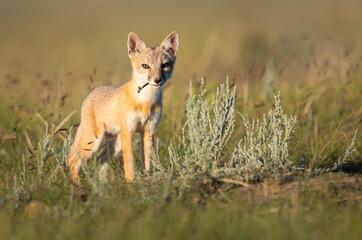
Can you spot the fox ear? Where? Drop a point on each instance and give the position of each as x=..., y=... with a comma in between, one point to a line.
x=170, y=44
x=135, y=44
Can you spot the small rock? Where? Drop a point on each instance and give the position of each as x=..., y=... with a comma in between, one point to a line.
x=35, y=207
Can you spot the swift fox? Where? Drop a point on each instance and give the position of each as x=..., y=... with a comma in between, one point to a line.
x=112, y=114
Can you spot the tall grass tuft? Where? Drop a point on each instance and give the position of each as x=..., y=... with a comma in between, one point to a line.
x=49, y=164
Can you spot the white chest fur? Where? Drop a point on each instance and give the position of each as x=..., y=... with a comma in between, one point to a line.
x=135, y=121
x=149, y=94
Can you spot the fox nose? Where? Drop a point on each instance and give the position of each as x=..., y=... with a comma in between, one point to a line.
x=157, y=80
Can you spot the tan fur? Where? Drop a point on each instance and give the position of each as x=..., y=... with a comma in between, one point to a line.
x=112, y=114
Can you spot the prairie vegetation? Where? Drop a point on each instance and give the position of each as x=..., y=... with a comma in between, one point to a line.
x=265, y=147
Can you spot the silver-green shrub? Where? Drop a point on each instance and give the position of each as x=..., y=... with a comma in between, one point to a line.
x=205, y=133
x=264, y=148
x=262, y=151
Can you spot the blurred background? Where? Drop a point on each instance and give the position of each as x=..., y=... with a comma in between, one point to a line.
x=52, y=53
x=217, y=38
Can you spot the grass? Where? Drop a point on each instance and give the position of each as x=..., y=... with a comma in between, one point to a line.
x=321, y=207
x=54, y=55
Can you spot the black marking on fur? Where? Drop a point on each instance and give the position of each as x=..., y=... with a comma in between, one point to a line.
x=141, y=87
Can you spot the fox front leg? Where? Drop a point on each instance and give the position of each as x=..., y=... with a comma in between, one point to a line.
x=128, y=159
x=147, y=139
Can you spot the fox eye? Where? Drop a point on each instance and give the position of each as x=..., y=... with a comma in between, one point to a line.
x=145, y=66
x=164, y=65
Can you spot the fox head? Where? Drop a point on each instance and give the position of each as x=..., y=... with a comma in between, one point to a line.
x=152, y=65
